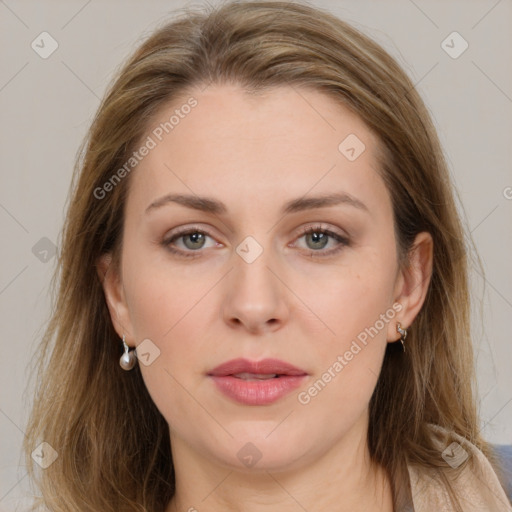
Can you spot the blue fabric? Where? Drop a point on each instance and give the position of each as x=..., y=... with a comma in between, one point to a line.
x=504, y=452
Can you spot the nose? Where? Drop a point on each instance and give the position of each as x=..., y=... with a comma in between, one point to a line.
x=256, y=299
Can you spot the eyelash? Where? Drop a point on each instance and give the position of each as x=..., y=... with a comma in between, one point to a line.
x=342, y=241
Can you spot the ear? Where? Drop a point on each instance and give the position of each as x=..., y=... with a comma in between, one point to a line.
x=115, y=297
x=412, y=283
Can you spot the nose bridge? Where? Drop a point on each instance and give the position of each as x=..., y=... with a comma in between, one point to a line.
x=255, y=297
x=252, y=276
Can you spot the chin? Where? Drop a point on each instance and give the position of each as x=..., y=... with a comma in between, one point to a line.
x=255, y=450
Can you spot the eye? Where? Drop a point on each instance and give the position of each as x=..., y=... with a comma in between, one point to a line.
x=188, y=240
x=317, y=239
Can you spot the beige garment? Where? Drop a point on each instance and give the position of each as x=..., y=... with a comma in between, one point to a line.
x=477, y=487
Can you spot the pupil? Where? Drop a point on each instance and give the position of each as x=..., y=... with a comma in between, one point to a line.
x=195, y=238
x=319, y=238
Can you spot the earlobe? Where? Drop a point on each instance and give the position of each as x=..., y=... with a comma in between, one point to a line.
x=413, y=282
x=114, y=295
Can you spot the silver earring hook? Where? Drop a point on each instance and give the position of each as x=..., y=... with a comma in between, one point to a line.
x=403, y=334
x=129, y=358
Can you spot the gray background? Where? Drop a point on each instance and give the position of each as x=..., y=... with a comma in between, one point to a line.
x=47, y=105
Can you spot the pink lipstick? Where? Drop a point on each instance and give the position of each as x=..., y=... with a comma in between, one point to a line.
x=256, y=382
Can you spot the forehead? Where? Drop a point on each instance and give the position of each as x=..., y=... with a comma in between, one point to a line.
x=283, y=141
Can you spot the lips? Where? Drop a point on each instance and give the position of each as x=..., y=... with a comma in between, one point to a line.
x=265, y=367
x=256, y=382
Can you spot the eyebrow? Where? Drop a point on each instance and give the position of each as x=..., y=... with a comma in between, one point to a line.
x=210, y=205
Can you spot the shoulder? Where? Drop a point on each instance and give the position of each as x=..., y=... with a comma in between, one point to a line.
x=469, y=472
x=504, y=453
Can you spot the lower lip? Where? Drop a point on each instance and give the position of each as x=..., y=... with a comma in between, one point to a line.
x=257, y=392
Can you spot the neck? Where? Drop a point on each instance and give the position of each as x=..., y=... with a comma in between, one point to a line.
x=343, y=479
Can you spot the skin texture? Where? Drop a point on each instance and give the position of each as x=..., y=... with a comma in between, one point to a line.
x=254, y=153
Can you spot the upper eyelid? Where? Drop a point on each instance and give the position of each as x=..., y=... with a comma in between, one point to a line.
x=182, y=231
x=303, y=231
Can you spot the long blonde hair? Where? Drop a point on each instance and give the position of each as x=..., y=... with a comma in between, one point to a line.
x=113, y=444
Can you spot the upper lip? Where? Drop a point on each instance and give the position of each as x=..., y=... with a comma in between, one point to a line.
x=263, y=367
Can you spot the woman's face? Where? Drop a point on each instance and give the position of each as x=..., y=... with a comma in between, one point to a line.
x=250, y=175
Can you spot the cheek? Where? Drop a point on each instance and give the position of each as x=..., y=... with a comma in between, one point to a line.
x=174, y=309
x=347, y=300
x=170, y=312
x=356, y=306
x=160, y=295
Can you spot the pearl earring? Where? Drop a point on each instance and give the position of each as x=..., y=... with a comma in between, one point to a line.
x=129, y=358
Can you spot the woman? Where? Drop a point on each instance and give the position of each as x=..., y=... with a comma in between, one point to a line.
x=264, y=213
